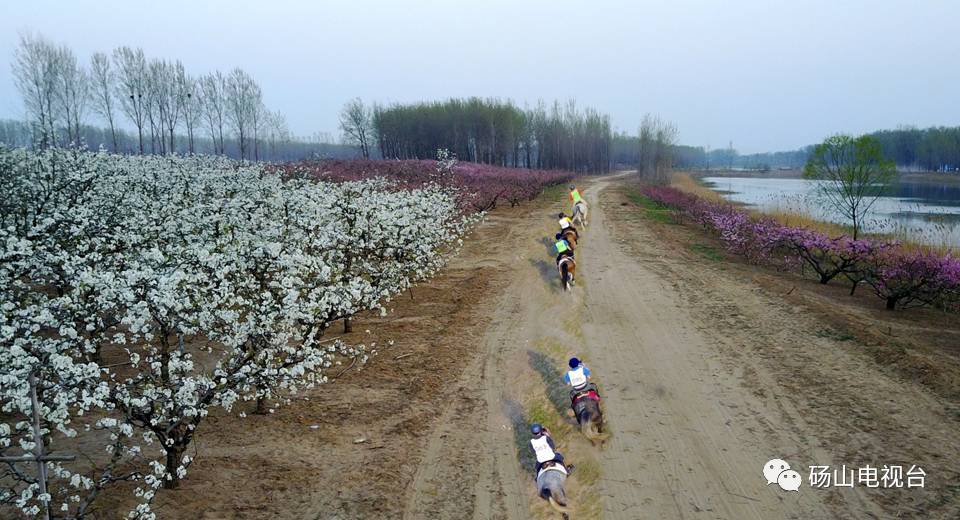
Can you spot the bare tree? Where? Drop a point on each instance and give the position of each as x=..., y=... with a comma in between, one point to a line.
x=242, y=95
x=192, y=110
x=102, y=81
x=132, y=84
x=258, y=120
x=213, y=97
x=72, y=92
x=169, y=95
x=155, y=107
x=356, y=122
x=36, y=73
x=656, y=140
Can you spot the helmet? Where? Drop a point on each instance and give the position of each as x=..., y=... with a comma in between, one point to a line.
x=561, y=215
x=536, y=429
x=558, y=236
x=574, y=362
x=572, y=186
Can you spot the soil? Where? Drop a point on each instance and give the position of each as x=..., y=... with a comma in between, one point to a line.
x=708, y=368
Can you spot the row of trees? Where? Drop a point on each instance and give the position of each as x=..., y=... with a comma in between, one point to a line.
x=274, y=146
x=910, y=148
x=930, y=149
x=488, y=131
x=167, y=108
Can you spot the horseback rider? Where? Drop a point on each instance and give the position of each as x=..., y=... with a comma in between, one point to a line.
x=544, y=449
x=575, y=196
x=562, y=247
x=566, y=223
x=578, y=377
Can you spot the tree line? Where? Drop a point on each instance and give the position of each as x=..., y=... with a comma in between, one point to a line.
x=488, y=131
x=167, y=109
x=273, y=147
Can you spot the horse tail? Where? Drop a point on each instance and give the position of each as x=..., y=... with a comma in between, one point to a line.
x=558, y=501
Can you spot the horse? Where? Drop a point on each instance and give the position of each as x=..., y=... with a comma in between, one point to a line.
x=550, y=482
x=580, y=214
x=571, y=237
x=585, y=406
x=567, y=267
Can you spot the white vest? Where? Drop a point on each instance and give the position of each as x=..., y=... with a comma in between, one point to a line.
x=578, y=379
x=564, y=223
x=543, y=449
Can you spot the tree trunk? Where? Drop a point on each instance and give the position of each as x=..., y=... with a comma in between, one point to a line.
x=892, y=302
x=174, y=454
x=347, y=325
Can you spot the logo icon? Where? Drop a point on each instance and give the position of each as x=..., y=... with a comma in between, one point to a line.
x=777, y=471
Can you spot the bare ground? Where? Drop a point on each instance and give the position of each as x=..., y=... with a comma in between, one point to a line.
x=708, y=368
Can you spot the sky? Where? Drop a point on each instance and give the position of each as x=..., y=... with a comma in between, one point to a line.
x=765, y=75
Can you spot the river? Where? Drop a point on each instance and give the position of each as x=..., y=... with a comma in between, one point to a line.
x=919, y=211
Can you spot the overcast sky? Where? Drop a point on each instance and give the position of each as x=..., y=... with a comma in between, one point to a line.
x=764, y=74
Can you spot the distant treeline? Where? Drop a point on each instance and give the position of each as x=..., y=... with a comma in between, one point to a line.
x=22, y=134
x=492, y=131
x=929, y=149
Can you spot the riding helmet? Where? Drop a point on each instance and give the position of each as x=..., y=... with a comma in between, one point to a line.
x=574, y=362
x=561, y=215
x=536, y=429
x=572, y=186
x=558, y=236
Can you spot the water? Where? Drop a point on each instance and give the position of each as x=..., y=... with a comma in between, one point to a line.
x=919, y=211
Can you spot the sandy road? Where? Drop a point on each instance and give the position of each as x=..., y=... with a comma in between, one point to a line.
x=690, y=433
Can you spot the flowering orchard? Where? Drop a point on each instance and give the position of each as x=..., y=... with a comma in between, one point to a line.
x=901, y=277
x=479, y=186
x=138, y=294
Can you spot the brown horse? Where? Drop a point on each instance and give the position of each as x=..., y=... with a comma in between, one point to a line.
x=586, y=408
x=571, y=237
x=567, y=267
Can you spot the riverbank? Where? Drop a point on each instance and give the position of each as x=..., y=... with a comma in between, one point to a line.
x=918, y=214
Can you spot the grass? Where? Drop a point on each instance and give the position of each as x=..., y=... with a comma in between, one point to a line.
x=834, y=335
x=707, y=251
x=651, y=209
x=555, y=192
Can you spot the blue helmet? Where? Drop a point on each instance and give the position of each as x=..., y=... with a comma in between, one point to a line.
x=558, y=236
x=574, y=362
x=536, y=429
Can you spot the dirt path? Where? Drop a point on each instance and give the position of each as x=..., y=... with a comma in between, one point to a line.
x=703, y=383
x=679, y=447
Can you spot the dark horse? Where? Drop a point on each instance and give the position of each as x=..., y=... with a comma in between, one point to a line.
x=586, y=408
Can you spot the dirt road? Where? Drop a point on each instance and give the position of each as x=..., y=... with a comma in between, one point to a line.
x=705, y=377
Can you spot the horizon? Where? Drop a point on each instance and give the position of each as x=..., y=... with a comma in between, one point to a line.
x=771, y=87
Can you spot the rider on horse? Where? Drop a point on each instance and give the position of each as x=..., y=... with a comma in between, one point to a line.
x=543, y=448
x=575, y=196
x=562, y=247
x=566, y=223
x=578, y=377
